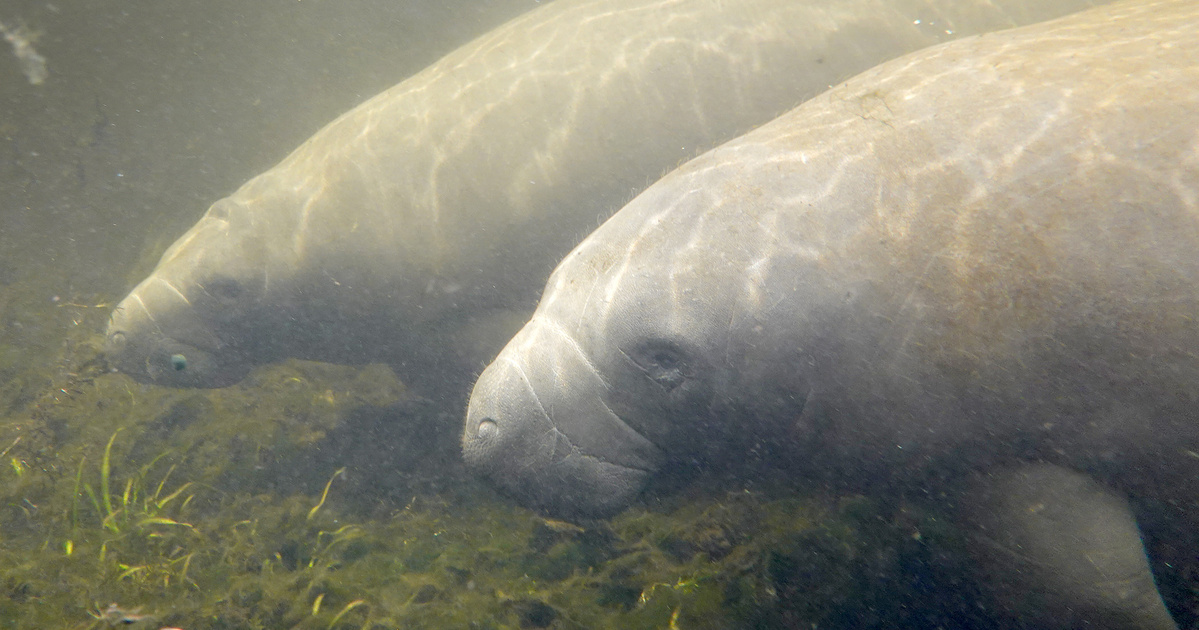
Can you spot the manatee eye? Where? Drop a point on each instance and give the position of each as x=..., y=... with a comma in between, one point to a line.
x=224, y=288
x=663, y=362
x=179, y=362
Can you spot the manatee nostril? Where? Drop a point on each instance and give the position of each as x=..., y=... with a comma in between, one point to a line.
x=487, y=429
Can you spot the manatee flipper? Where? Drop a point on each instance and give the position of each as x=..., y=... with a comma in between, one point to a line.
x=1056, y=549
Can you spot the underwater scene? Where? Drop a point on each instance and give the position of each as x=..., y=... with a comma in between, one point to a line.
x=679, y=314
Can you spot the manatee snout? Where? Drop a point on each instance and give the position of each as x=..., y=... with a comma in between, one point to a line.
x=575, y=463
x=136, y=344
x=165, y=361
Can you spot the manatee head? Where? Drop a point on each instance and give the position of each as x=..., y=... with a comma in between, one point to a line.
x=541, y=427
x=189, y=323
x=623, y=371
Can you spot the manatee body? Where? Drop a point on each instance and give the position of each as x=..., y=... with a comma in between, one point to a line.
x=451, y=196
x=981, y=254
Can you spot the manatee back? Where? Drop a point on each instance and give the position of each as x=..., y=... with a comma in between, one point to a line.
x=993, y=237
x=486, y=167
x=452, y=194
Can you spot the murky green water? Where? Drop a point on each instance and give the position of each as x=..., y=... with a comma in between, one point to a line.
x=316, y=496
x=309, y=496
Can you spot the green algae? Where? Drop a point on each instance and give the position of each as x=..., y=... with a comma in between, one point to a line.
x=247, y=508
x=328, y=497
x=319, y=496
x=122, y=502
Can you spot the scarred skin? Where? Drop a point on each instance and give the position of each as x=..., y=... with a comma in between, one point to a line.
x=980, y=254
x=450, y=197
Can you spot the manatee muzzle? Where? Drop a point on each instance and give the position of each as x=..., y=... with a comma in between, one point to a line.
x=191, y=357
x=551, y=442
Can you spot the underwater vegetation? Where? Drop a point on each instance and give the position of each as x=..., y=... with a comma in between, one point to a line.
x=326, y=497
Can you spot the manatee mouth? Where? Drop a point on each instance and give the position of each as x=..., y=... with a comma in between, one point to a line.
x=142, y=351
x=572, y=483
x=165, y=361
x=583, y=460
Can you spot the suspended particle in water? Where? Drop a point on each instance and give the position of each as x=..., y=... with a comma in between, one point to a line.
x=21, y=39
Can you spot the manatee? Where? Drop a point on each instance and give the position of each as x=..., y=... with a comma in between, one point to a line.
x=447, y=200
x=976, y=257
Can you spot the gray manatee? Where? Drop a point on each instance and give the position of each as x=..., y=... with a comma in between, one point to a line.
x=450, y=197
x=980, y=254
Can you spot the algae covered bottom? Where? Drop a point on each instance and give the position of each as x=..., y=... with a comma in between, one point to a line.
x=256, y=507
x=310, y=497
x=266, y=506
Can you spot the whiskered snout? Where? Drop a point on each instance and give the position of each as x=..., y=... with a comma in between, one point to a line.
x=547, y=463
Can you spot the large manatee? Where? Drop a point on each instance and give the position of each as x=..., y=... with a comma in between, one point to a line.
x=452, y=195
x=981, y=254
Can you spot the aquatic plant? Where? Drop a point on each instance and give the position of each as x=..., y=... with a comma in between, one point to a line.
x=143, y=537
x=257, y=507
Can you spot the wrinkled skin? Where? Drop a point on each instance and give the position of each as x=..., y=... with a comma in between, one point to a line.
x=423, y=217
x=974, y=256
